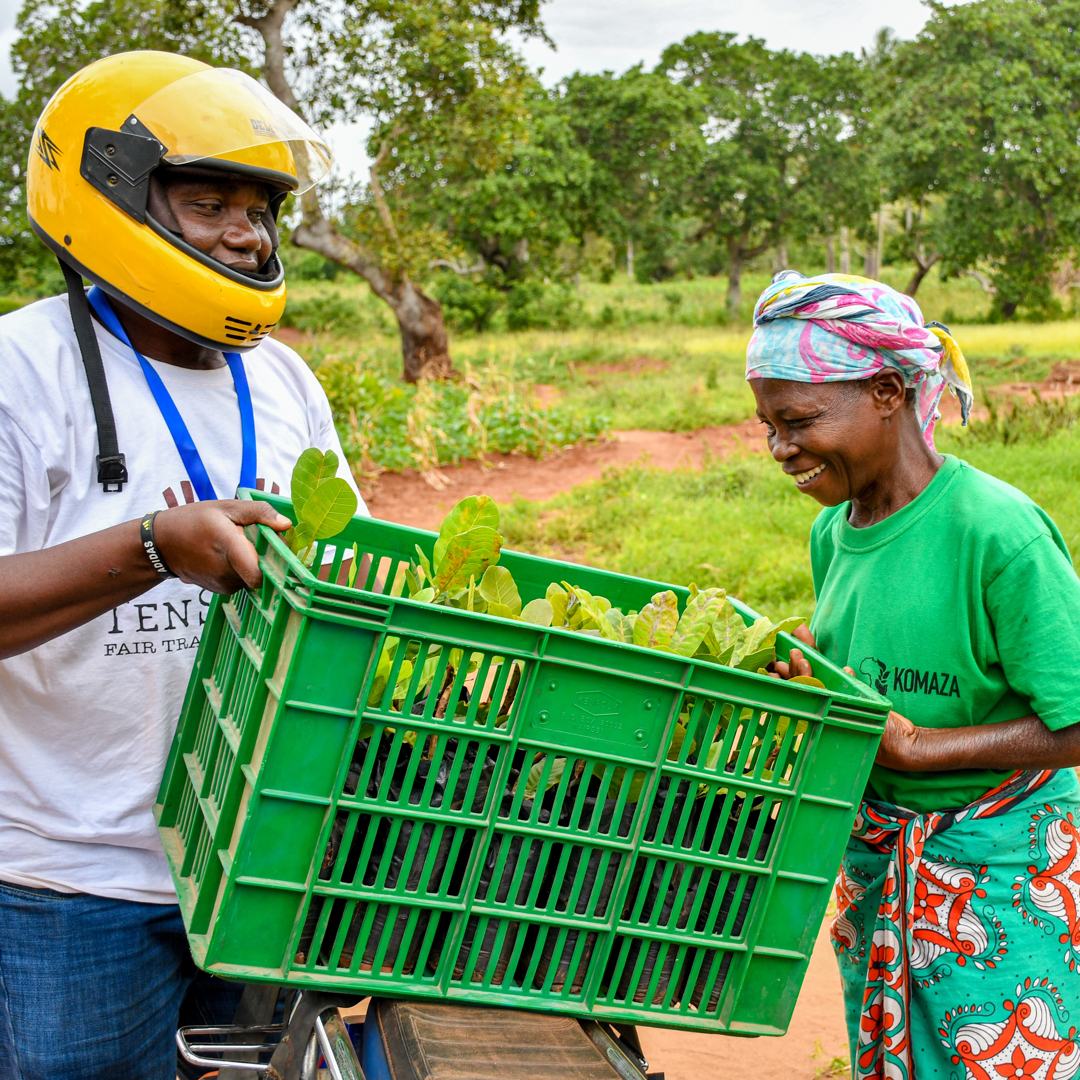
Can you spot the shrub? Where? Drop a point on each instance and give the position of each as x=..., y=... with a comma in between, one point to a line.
x=328, y=311
x=467, y=304
x=303, y=265
x=387, y=425
x=532, y=304
x=1022, y=420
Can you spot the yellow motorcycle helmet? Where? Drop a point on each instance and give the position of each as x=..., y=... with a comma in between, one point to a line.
x=95, y=151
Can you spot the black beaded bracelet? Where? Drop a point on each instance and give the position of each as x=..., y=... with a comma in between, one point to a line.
x=146, y=535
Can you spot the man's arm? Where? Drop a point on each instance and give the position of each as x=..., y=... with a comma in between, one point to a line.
x=46, y=593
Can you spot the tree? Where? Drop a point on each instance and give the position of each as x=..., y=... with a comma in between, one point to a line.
x=512, y=220
x=781, y=161
x=981, y=117
x=642, y=133
x=438, y=75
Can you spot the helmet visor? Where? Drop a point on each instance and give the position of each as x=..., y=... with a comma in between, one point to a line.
x=223, y=113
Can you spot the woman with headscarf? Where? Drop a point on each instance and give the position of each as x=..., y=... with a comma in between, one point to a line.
x=953, y=594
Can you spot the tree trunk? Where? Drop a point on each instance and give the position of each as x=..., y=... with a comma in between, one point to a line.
x=830, y=256
x=630, y=257
x=734, y=285
x=424, y=346
x=781, y=257
x=922, y=268
x=845, y=251
x=424, y=343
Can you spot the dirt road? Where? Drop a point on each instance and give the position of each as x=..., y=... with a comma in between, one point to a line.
x=815, y=1047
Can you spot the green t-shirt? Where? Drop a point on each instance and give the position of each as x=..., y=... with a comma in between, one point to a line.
x=962, y=608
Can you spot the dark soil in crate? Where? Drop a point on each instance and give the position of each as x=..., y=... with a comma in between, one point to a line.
x=593, y=870
x=432, y=862
x=522, y=856
x=662, y=881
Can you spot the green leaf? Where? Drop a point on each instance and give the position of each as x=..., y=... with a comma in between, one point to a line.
x=539, y=612
x=502, y=611
x=700, y=614
x=498, y=587
x=467, y=555
x=476, y=511
x=382, y=673
x=558, y=598
x=311, y=469
x=354, y=566
x=424, y=596
x=585, y=611
x=300, y=537
x=724, y=635
x=532, y=781
x=758, y=646
x=404, y=675
x=424, y=564
x=655, y=625
x=622, y=626
x=329, y=508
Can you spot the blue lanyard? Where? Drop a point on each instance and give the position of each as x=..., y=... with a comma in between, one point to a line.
x=181, y=437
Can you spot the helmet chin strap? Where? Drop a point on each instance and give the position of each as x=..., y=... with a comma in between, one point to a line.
x=112, y=470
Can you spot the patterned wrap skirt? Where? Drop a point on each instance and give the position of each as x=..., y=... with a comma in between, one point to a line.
x=958, y=936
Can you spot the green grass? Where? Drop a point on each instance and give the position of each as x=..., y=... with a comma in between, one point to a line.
x=742, y=525
x=661, y=365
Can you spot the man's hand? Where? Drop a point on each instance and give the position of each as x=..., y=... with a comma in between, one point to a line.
x=204, y=544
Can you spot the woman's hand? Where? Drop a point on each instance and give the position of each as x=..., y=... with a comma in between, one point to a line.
x=900, y=747
x=796, y=664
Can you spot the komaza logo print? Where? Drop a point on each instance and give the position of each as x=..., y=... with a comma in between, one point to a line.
x=908, y=680
x=877, y=674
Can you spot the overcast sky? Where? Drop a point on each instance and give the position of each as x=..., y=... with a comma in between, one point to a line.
x=612, y=35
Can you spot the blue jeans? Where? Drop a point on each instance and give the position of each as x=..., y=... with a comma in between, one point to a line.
x=94, y=989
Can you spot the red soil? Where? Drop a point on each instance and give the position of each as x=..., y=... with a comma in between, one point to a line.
x=413, y=499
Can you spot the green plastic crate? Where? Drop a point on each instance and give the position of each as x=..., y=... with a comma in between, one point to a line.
x=533, y=835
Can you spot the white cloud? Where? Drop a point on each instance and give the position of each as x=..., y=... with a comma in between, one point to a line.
x=612, y=35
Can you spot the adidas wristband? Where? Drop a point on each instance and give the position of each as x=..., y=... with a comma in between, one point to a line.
x=146, y=536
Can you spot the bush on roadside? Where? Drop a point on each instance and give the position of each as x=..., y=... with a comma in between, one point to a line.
x=334, y=312
x=388, y=425
x=468, y=304
x=536, y=305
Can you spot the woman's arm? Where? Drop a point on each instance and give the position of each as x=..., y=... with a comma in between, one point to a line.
x=46, y=593
x=1025, y=743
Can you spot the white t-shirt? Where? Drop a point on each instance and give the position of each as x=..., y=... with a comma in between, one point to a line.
x=86, y=719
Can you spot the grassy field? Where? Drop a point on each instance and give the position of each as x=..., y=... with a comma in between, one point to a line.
x=685, y=360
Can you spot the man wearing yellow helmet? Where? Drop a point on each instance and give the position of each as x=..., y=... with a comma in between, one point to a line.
x=124, y=414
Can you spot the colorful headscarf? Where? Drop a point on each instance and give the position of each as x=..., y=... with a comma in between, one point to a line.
x=838, y=327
